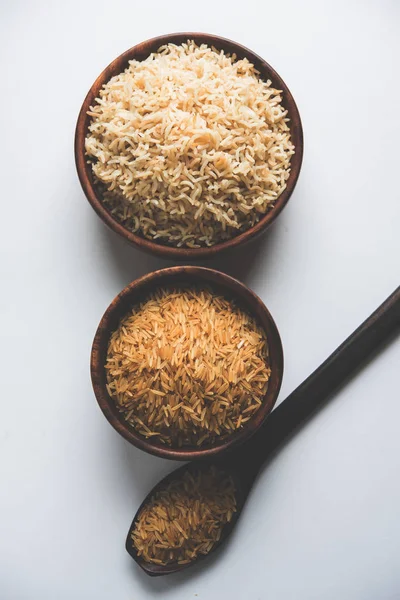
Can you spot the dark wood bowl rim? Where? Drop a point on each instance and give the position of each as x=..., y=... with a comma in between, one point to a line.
x=139, y=52
x=184, y=275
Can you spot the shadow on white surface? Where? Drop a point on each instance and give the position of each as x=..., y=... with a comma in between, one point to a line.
x=130, y=263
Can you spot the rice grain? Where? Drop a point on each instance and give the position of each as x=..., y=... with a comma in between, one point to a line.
x=189, y=147
x=185, y=518
x=188, y=366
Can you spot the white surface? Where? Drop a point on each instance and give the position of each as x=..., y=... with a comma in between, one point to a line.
x=324, y=519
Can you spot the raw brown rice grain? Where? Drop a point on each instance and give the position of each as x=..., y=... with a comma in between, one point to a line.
x=185, y=518
x=187, y=366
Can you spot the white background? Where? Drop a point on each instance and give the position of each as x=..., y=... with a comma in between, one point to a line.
x=323, y=522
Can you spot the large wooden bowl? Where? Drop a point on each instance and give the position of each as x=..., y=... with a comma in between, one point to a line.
x=183, y=277
x=140, y=52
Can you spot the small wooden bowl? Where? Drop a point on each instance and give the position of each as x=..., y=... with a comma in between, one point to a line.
x=184, y=276
x=140, y=52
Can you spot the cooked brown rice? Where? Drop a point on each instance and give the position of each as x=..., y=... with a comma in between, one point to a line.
x=190, y=147
x=187, y=366
x=185, y=518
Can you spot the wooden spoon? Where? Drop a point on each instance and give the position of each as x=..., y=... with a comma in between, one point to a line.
x=244, y=463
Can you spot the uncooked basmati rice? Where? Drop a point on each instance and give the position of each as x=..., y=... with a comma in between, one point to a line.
x=185, y=518
x=189, y=147
x=187, y=366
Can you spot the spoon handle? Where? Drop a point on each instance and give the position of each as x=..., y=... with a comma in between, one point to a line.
x=316, y=389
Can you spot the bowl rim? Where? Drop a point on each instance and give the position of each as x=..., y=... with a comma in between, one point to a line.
x=138, y=52
x=184, y=275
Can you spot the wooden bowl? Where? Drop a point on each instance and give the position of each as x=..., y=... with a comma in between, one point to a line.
x=140, y=52
x=184, y=276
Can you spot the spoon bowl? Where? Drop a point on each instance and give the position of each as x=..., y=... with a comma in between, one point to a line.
x=244, y=464
x=154, y=570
